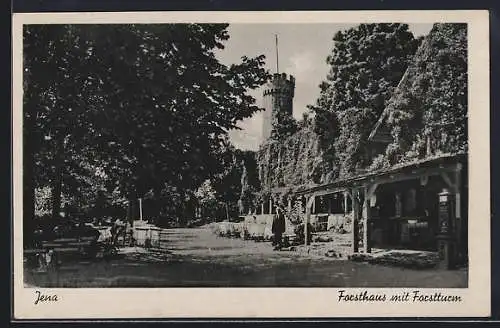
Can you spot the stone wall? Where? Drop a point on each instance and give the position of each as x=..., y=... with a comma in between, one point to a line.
x=278, y=97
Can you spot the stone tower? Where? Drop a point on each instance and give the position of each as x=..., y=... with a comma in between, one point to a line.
x=278, y=97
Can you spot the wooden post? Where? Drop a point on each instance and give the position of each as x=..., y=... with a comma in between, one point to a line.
x=355, y=221
x=399, y=205
x=313, y=211
x=458, y=208
x=270, y=205
x=262, y=208
x=346, y=194
x=309, y=204
x=289, y=204
x=366, y=221
x=428, y=145
x=140, y=208
x=306, y=221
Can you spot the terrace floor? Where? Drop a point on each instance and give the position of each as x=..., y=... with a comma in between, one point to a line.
x=198, y=258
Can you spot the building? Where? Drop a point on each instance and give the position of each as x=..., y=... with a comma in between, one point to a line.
x=420, y=204
x=277, y=99
x=407, y=206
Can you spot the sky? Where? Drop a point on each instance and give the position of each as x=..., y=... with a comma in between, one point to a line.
x=303, y=49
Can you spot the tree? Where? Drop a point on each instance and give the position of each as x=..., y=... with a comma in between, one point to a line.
x=367, y=63
x=149, y=105
x=53, y=143
x=232, y=187
x=207, y=200
x=250, y=183
x=246, y=194
x=191, y=98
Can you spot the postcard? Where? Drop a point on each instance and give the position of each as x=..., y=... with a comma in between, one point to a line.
x=251, y=165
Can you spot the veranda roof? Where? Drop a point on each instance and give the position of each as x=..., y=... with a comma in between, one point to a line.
x=434, y=162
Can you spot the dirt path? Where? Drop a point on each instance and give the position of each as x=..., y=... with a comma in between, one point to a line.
x=198, y=258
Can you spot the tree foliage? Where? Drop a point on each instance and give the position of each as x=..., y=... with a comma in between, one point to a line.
x=227, y=192
x=148, y=105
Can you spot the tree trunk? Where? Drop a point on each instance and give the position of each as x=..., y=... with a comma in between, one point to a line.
x=57, y=189
x=30, y=145
x=129, y=210
x=28, y=189
x=132, y=206
x=57, y=181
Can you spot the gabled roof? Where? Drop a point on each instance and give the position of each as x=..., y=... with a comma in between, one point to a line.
x=378, y=131
x=378, y=126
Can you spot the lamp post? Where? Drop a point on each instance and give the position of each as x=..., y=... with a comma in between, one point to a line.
x=446, y=240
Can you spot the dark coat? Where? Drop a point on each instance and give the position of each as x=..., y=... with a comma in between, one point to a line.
x=278, y=223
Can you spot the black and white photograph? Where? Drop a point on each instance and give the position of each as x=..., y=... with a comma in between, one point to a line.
x=269, y=154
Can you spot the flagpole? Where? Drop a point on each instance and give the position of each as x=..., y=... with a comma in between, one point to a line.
x=277, y=59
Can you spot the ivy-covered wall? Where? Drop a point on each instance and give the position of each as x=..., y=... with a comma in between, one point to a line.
x=297, y=161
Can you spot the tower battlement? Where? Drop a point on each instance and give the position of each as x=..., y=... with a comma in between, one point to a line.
x=280, y=83
x=278, y=98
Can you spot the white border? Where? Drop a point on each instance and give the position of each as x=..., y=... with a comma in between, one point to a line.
x=272, y=302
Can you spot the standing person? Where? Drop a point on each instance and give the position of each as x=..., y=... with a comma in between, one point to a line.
x=278, y=228
x=51, y=267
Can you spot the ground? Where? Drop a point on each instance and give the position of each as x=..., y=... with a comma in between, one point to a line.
x=197, y=258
